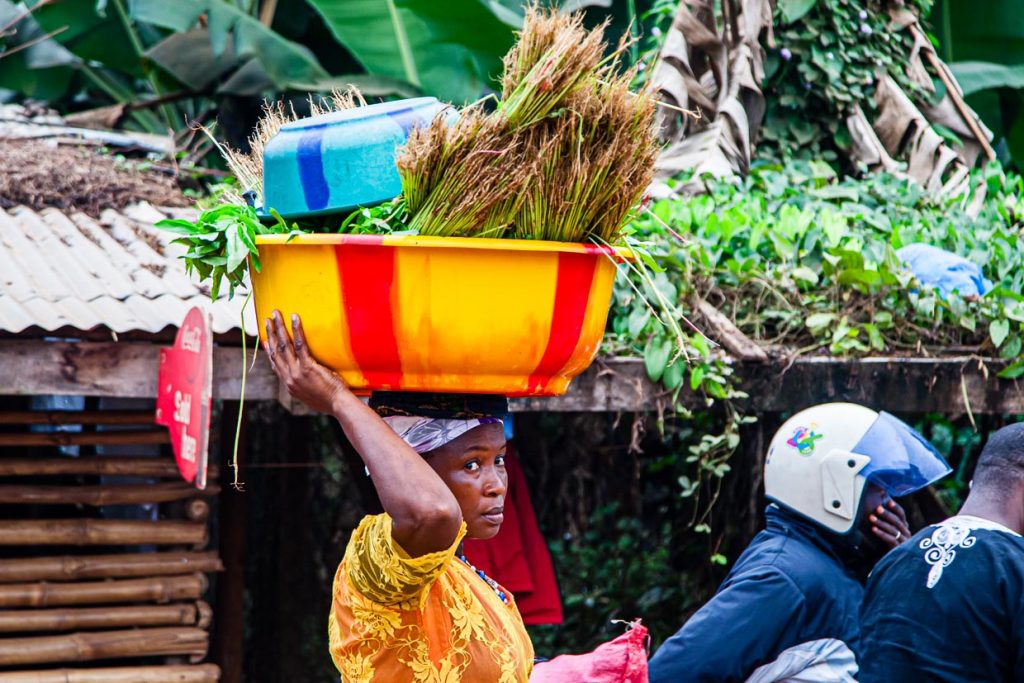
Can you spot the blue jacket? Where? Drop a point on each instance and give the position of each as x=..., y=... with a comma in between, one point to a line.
x=790, y=605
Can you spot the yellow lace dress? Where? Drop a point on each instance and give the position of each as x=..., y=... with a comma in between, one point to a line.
x=428, y=619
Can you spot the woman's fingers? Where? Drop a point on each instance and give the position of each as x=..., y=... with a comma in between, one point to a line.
x=269, y=344
x=284, y=350
x=278, y=345
x=301, y=347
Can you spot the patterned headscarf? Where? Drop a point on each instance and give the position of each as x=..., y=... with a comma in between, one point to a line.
x=427, y=433
x=427, y=421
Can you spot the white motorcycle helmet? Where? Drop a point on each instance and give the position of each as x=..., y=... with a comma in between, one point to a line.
x=821, y=459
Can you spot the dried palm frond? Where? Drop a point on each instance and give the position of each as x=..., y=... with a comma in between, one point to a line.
x=718, y=72
x=907, y=134
x=902, y=140
x=337, y=101
x=951, y=111
x=903, y=129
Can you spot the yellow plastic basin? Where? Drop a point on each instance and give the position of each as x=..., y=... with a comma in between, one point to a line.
x=450, y=314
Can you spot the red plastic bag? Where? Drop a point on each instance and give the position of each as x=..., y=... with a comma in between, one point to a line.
x=623, y=660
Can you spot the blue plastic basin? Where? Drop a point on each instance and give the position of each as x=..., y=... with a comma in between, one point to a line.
x=343, y=160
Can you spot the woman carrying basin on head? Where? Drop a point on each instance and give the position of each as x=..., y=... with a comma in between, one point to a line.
x=407, y=606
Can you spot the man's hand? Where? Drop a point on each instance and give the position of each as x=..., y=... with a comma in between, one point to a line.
x=889, y=523
x=305, y=378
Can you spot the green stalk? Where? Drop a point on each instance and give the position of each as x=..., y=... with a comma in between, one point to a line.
x=634, y=49
x=404, y=48
x=237, y=485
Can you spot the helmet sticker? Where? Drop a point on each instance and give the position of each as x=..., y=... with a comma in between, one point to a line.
x=803, y=439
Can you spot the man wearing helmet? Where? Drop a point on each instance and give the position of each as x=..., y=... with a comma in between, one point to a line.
x=949, y=605
x=788, y=610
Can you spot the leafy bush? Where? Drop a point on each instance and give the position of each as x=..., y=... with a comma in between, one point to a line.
x=797, y=258
x=828, y=56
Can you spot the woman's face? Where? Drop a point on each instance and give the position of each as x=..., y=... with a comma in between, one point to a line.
x=473, y=467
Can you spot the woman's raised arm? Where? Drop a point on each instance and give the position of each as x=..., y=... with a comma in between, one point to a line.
x=425, y=514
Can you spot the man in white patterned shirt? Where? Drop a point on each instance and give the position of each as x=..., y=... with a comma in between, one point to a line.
x=949, y=604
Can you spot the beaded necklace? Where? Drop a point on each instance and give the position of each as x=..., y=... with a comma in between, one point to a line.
x=489, y=581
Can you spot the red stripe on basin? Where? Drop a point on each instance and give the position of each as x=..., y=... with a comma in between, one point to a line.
x=572, y=292
x=367, y=274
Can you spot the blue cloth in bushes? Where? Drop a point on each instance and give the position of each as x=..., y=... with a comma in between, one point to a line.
x=944, y=270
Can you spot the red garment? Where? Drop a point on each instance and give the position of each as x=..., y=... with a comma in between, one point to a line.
x=517, y=557
x=623, y=660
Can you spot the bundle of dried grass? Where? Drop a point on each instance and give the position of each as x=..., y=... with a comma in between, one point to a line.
x=554, y=56
x=248, y=166
x=594, y=163
x=566, y=156
x=453, y=178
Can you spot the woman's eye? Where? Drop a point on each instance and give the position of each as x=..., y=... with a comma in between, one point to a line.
x=473, y=466
x=500, y=461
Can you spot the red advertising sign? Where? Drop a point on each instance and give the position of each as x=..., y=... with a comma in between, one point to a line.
x=184, y=395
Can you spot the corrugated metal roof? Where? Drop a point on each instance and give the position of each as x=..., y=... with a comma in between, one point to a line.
x=117, y=272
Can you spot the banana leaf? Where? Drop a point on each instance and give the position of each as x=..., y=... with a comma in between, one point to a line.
x=450, y=49
x=230, y=30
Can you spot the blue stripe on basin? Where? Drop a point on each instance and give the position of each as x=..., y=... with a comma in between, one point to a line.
x=407, y=119
x=309, y=157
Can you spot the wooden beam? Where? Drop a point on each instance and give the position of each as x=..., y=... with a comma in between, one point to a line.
x=953, y=386
x=607, y=386
x=100, y=532
x=124, y=369
x=899, y=385
x=158, y=468
x=109, y=494
x=85, y=647
x=78, y=417
x=129, y=369
x=203, y=673
x=114, y=566
x=108, y=438
x=95, y=618
x=160, y=589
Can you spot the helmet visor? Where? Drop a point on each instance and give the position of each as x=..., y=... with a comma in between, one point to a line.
x=902, y=461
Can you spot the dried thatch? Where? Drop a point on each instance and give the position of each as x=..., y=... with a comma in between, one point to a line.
x=717, y=73
x=903, y=129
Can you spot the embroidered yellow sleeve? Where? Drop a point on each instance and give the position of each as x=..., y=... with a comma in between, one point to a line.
x=384, y=573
